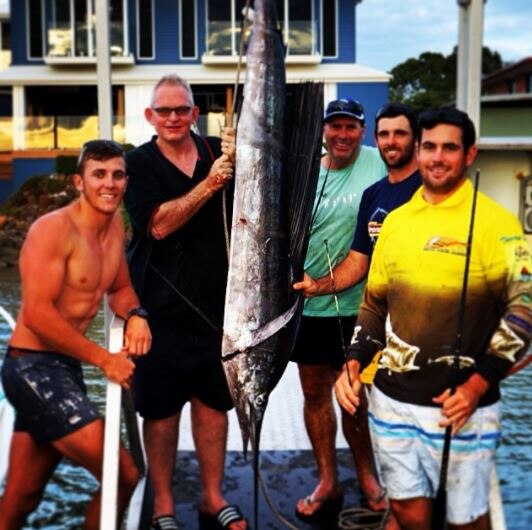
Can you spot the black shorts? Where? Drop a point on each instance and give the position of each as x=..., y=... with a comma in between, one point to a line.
x=179, y=366
x=47, y=392
x=319, y=340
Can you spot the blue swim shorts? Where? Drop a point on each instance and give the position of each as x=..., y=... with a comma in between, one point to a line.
x=48, y=393
x=408, y=446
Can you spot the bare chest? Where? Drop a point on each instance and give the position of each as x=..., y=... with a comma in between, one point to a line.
x=92, y=266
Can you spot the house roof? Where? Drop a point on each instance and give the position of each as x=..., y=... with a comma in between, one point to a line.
x=149, y=74
x=524, y=66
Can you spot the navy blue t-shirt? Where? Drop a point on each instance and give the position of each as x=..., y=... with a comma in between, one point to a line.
x=377, y=202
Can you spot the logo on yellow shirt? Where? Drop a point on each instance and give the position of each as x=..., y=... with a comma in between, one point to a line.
x=447, y=245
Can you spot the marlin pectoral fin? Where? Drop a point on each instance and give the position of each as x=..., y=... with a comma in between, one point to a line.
x=265, y=332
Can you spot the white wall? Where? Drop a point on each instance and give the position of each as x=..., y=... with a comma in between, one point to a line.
x=137, y=98
x=500, y=173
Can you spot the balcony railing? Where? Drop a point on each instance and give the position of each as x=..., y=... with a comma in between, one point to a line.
x=223, y=40
x=71, y=132
x=52, y=132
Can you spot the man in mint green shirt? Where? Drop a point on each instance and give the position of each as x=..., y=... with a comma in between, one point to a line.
x=346, y=171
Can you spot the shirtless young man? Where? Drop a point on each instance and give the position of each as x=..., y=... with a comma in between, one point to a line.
x=71, y=257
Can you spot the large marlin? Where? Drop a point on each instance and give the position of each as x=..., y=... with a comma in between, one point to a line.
x=271, y=216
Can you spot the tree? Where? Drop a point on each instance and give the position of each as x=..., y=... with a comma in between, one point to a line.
x=430, y=80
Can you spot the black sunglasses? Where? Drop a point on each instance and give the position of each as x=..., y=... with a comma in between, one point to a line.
x=97, y=145
x=165, y=112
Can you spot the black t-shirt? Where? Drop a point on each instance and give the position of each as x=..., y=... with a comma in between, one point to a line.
x=188, y=267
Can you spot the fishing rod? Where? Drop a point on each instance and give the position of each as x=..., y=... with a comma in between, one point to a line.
x=187, y=301
x=439, y=508
x=352, y=518
x=333, y=287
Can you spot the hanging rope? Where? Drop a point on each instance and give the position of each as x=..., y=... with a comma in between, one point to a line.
x=239, y=64
x=231, y=118
x=362, y=519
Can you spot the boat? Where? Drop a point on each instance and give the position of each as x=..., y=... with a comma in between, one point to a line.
x=281, y=430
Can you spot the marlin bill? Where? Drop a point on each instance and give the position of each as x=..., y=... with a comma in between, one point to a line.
x=277, y=165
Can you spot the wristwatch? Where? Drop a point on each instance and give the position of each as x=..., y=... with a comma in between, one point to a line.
x=137, y=312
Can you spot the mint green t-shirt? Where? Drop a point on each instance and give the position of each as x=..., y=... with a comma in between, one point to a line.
x=335, y=221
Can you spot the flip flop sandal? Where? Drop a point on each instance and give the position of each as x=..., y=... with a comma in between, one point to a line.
x=221, y=521
x=328, y=509
x=164, y=522
x=365, y=501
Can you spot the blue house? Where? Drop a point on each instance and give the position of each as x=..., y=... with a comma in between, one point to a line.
x=48, y=95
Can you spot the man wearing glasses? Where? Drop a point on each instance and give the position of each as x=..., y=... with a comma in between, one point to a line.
x=178, y=262
x=71, y=257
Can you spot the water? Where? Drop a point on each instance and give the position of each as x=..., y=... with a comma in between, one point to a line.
x=71, y=487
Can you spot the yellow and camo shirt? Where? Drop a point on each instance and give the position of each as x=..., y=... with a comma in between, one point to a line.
x=412, y=300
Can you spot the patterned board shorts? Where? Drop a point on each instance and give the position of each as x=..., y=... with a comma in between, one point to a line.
x=47, y=392
x=408, y=446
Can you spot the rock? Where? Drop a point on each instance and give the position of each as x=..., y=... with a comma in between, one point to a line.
x=41, y=195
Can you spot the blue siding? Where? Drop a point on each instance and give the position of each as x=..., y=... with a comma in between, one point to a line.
x=18, y=33
x=202, y=27
x=166, y=26
x=6, y=189
x=355, y=22
x=167, y=33
x=25, y=168
x=372, y=96
x=346, y=34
